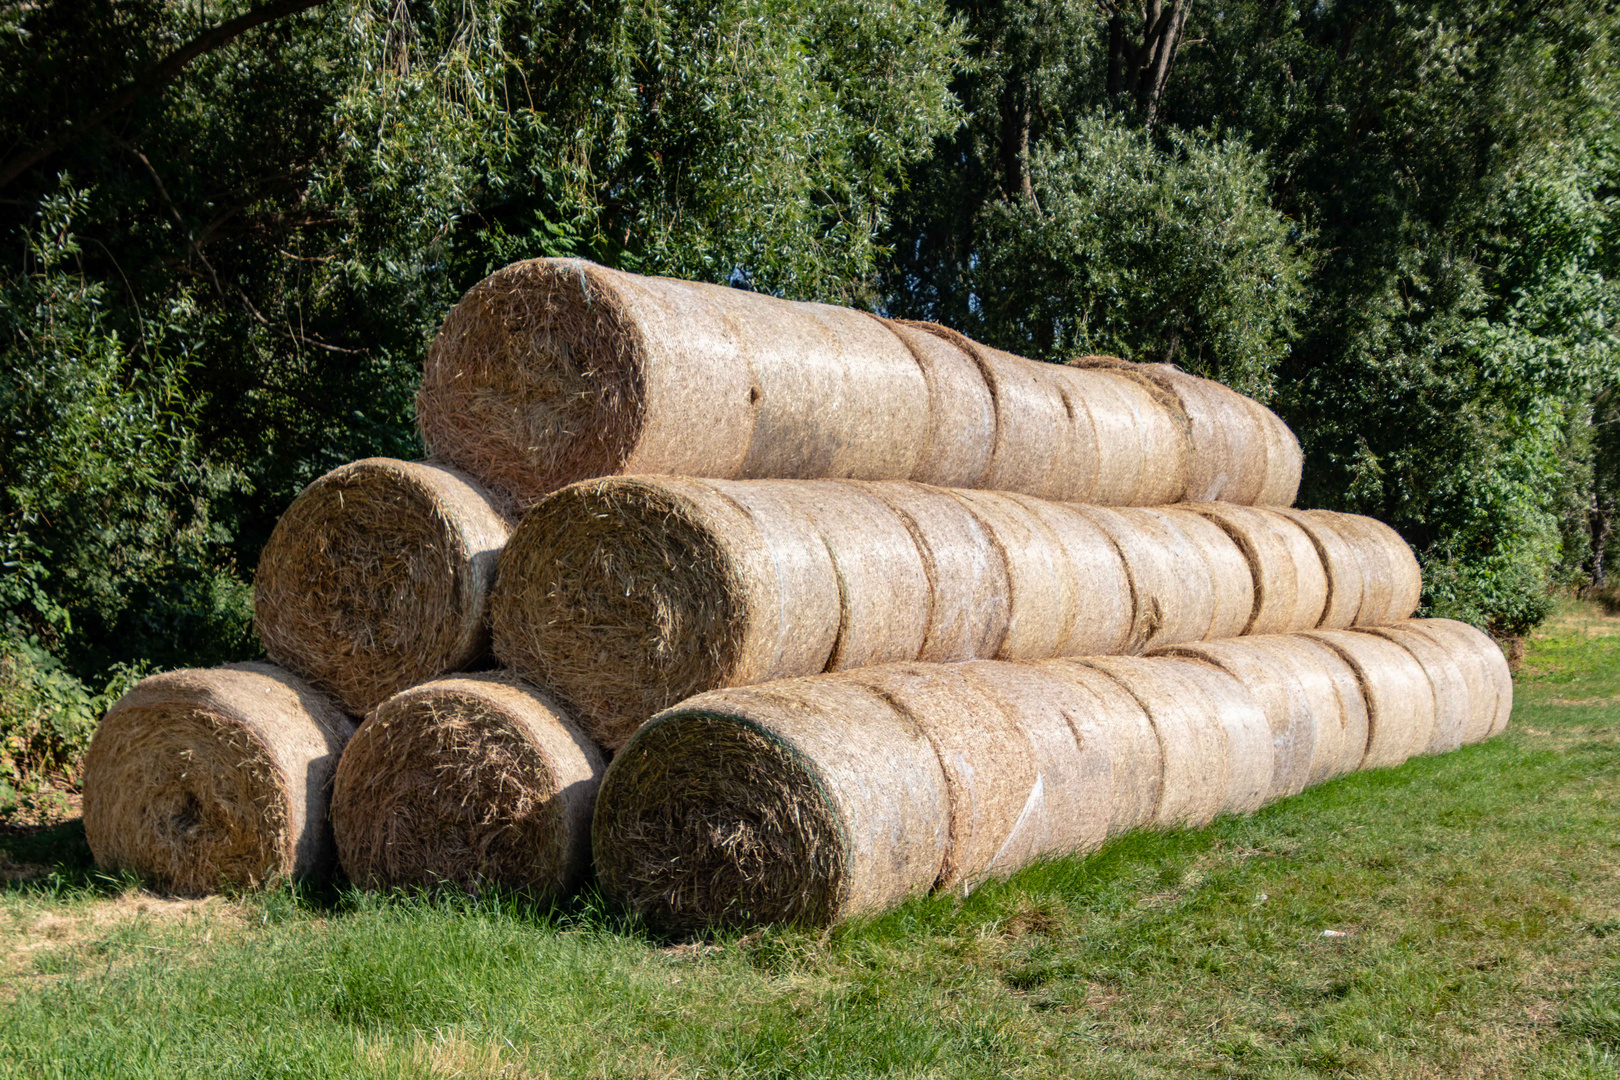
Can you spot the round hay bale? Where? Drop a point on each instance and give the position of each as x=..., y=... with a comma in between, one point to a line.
x=966, y=571
x=1291, y=715
x=1231, y=579
x=1228, y=460
x=1342, y=571
x=201, y=780
x=1407, y=577
x=378, y=577
x=961, y=413
x=1146, y=456
x=1170, y=578
x=1400, y=698
x=1338, y=703
x=1105, y=715
x=1045, y=442
x=1483, y=665
x=473, y=781
x=1192, y=738
x=806, y=802
x=1070, y=806
x=998, y=816
x=884, y=589
x=1043, y=595
x=1377, y=573
x=1102, y=614
x=1285, y=461
x=1453, y=696
x=551, y=371
x=1270, y=562
x=1250, y=758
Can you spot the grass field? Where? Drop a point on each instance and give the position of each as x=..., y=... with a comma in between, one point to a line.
x=1456, y=917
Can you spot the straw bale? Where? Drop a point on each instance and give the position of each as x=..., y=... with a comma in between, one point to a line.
x=1070, y=809
x=1228, y=460
x=1102, y=614
x=475, y=781
x=998, y=815
x=378, y=577
x=1453, y=694
x=1129, y=410
x=556, y=370
x=1192, y=738
x=1231, y=579
x=1285, y=461
x=1407, y=577
x=1483, y=665
x=625, y=596
x=1043, y=595
x=1335, y=701
x=962, y=415
x=203, y=779
x=1250, y=756
x=883, y=584
x=1290, y=585
x=808, y=802
x=1293, y=716
x=1400, y=698
x=1388, y=567
x=1341, y=568
x=1170, y=577
x=965, y=568
x=1105, y=715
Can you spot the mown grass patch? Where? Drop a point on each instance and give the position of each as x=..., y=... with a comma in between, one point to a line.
x=1458, y=916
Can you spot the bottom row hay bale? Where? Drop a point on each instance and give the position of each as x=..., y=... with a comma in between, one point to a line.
x=812, y=800
x=474, y=781
x=202, y=780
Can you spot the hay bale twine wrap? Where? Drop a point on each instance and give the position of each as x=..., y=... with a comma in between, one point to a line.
x=1264, y=669
x=1230, y=576
x=962, y=414
x=1128, y=408
x=1392, y=583
x=1043, y=593
x=1249, y=754
x=1342, y=570
x=1454, y=692
x=1399, y=696
x=1171, y=583
x=202, y=779
x=1332, y=696
x=1192, y=738
x=808, y=801
x=1483, y=664
x=473, y=781
x=378, y=577
x=1105, y=714
x=1290, y=586
x=965, y=567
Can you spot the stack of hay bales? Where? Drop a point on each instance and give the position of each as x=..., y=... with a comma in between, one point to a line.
x=924, y=610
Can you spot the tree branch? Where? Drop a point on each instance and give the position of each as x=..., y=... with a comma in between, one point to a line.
x=154, y=78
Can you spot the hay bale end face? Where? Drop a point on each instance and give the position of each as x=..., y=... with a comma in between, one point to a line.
x=207, y=779
x=808, y=802
x=378, y=577
x=472, y=781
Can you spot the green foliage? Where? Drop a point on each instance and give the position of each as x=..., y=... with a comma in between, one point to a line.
x=46, y=720
x=1167, y=254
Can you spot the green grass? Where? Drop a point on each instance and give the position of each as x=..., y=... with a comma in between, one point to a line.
x=1478, y=894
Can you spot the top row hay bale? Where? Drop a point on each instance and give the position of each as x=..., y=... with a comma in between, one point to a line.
x=557, y=370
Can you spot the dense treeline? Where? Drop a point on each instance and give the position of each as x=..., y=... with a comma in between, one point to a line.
x=227, y=230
